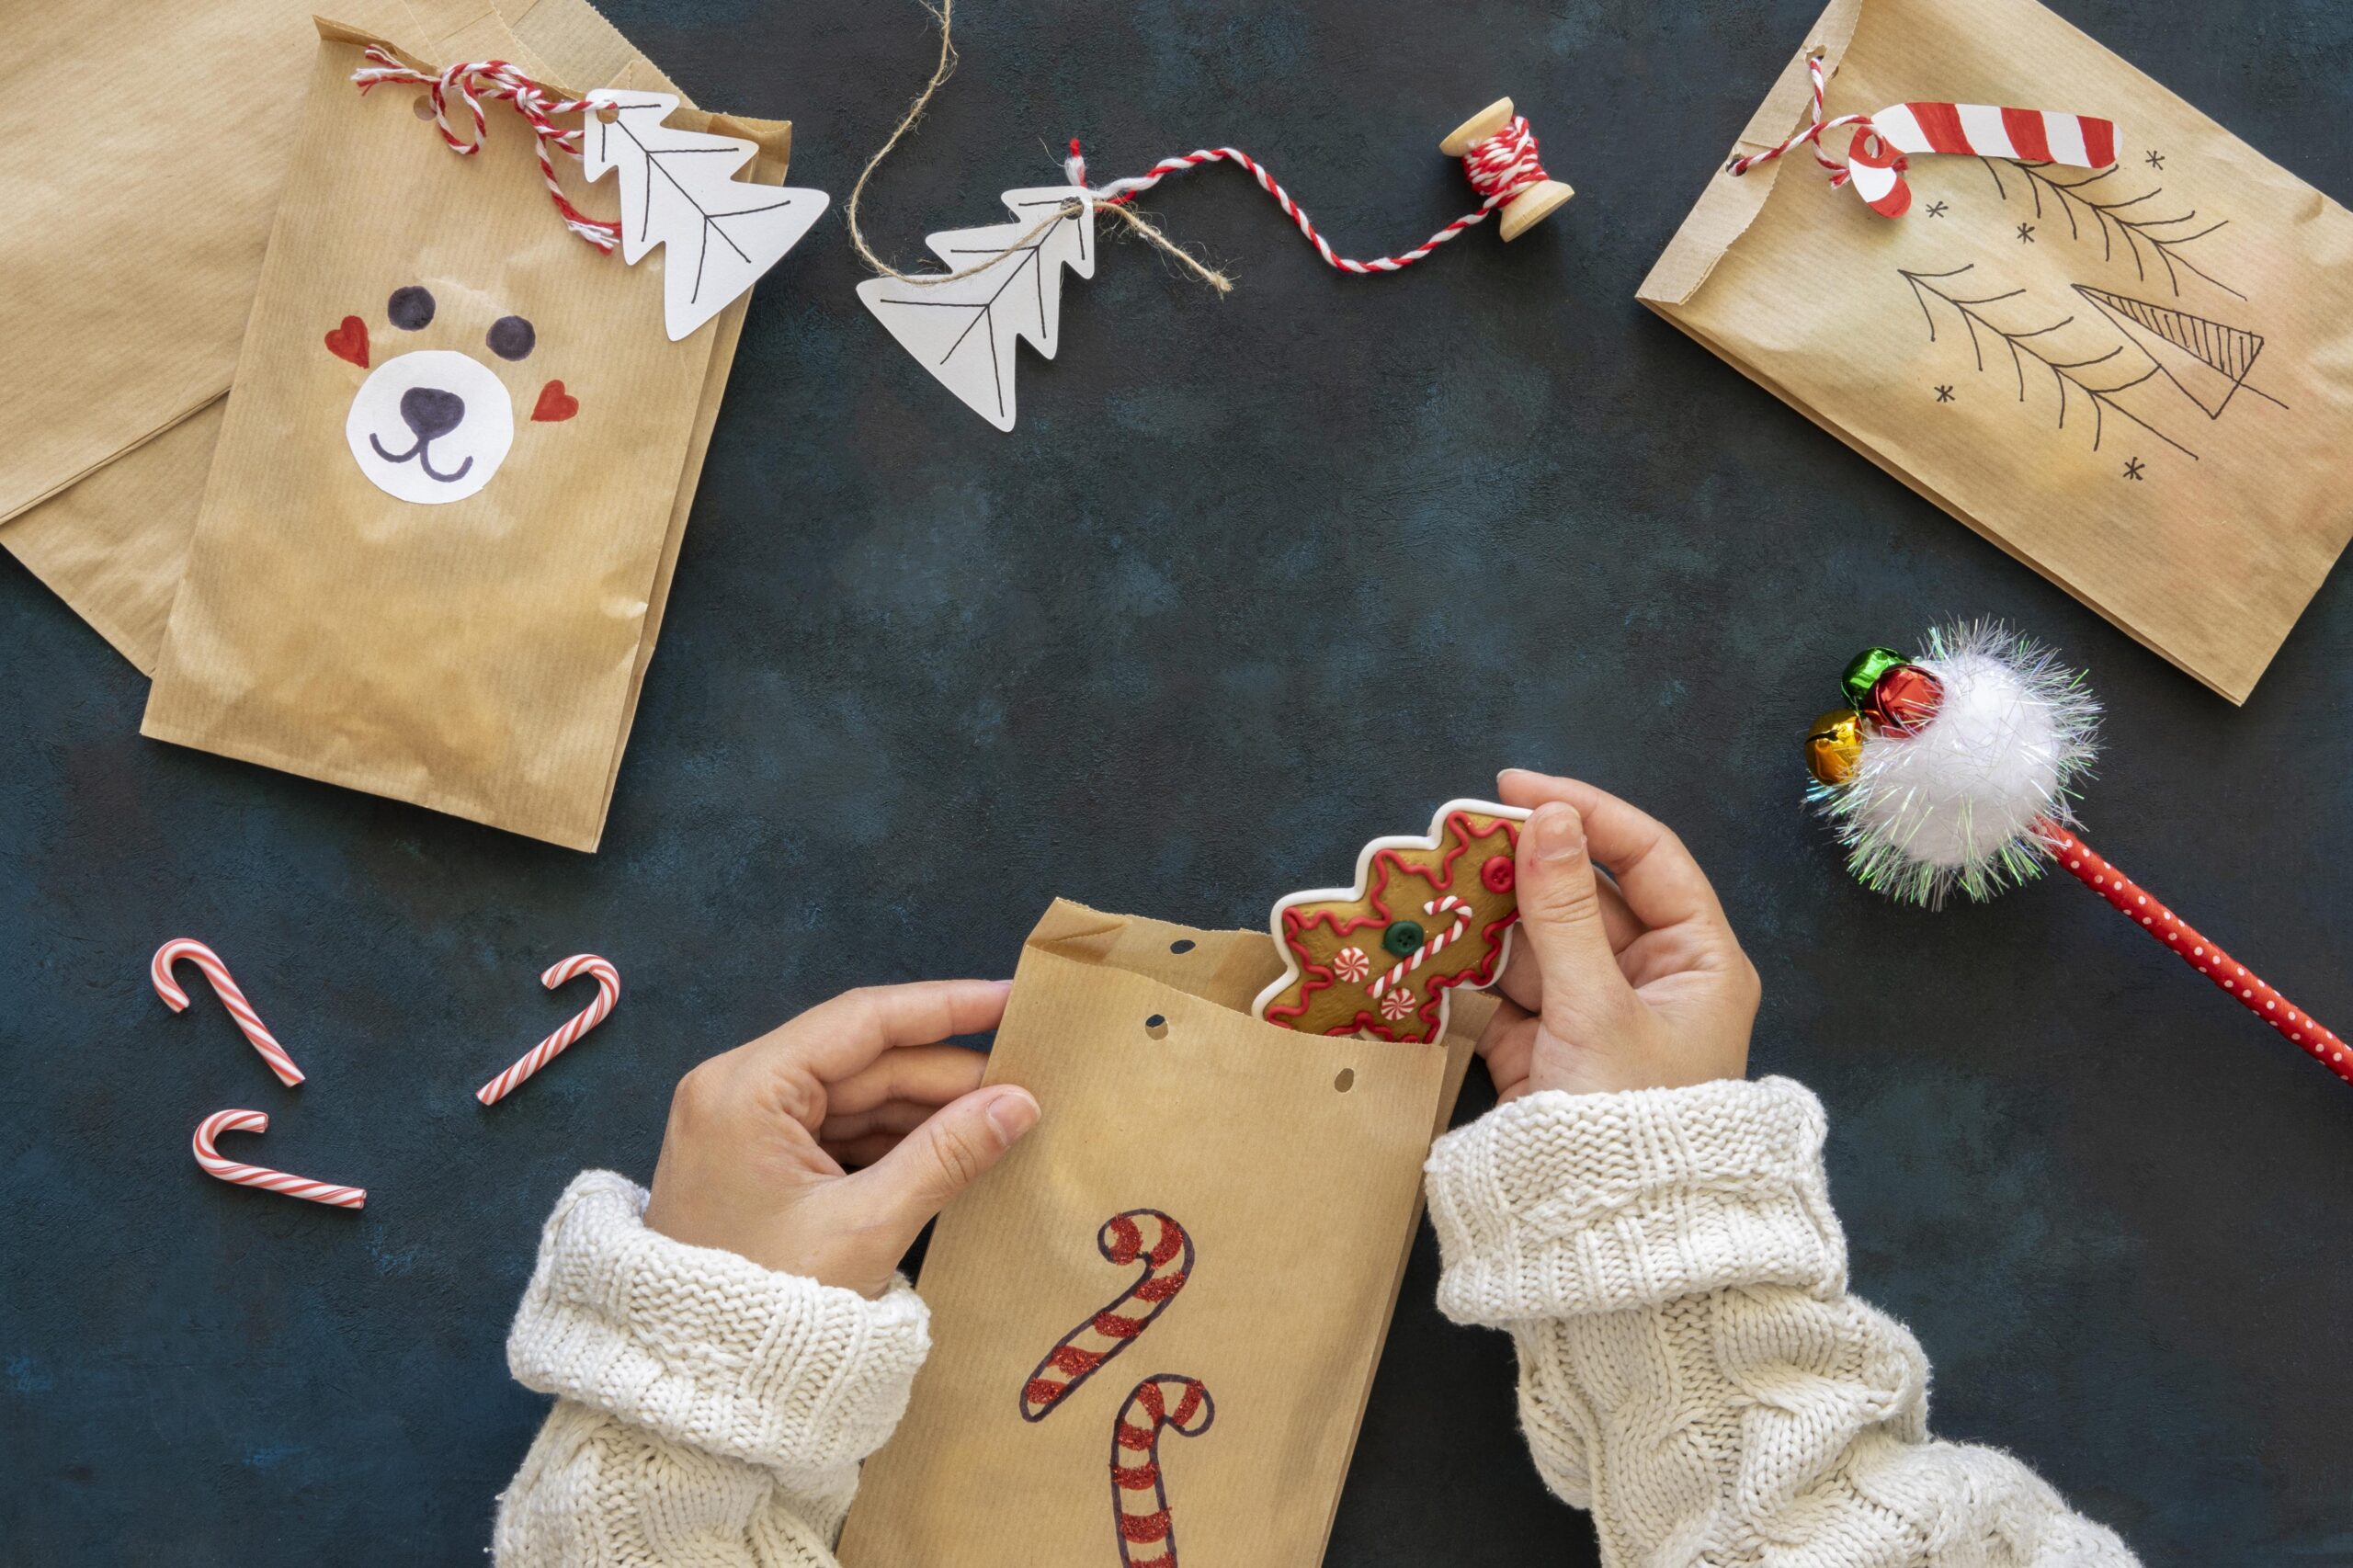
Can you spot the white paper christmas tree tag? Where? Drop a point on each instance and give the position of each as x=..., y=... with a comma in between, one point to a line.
x=677, y=190
x=963, y=332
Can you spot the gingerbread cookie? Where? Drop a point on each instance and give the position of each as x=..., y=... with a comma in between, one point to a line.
x=1425, y=916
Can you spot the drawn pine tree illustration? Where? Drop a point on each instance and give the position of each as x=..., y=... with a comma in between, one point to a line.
x=677, y=189
x=2208, y=359
x=2069, y=377
x=2117, y=216
x=963, y=331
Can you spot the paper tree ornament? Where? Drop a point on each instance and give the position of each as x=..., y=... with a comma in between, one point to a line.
x=963, y=331
x=677, y=190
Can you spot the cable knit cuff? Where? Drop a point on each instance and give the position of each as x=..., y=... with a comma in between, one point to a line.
x=1559, y=1205
x=707, y=1348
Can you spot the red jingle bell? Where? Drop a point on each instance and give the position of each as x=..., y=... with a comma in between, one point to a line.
x=1903, y=700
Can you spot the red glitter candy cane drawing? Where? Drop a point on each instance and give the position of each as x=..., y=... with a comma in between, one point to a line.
x=1167, y=1253
x=1139, y=1490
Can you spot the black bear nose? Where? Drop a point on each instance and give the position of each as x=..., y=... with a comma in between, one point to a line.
x=431, y=412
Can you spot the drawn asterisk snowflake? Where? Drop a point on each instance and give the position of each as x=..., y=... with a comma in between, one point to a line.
x=1934, y=210
x=2025, y=234
x=2133, y=468
x=1944, y=393
x=2155, y=159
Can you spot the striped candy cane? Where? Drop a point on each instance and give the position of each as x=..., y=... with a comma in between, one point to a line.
x=1885, y=141
x=159, y=970
x=262, y=1176
x=1430, y=949
x=608, y=991
x=1167, y=1255
x=1139, y=1491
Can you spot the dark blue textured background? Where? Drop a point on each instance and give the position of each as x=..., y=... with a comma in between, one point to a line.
x=1253, y=580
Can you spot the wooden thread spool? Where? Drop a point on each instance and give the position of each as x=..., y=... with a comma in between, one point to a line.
x=1531, y=205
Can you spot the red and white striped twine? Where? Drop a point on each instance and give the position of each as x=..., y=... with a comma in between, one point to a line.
x=262, y=1176
x=1499, y=168
x=159, y=970
x=2129, y=899
x=1812, y=133
x=476, y=80
x=608, y=991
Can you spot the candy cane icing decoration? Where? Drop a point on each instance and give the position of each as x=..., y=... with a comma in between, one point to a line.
x=1429, y=949
x=159, y=970
x=1885, y=141
x=608, y=991
x=1167, y=1255
x=1163, y=1401
x=262, y=1176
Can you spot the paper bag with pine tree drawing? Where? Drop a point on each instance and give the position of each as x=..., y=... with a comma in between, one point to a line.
x=2137, y=379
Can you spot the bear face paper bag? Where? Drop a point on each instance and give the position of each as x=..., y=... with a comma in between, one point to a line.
x=2100, y=329
x=445, y=502
x=1154, y=1324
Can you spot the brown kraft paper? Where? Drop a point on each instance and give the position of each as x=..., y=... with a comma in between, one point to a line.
x=1292, y=1162
x=2143, y=388
x=113, y=543
x=479, y=656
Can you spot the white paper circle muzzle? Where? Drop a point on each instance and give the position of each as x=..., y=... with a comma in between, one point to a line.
x=430, y=426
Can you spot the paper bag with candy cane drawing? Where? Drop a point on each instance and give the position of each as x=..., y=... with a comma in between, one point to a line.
x=447, y=494
x=2102, y=331
x=1154, y=1325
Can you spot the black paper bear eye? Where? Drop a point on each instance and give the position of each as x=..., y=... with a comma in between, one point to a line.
x=411, y=309
x=511, y=337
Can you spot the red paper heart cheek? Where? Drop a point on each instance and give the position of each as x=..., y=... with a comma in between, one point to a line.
x=349, y=341
x=554, y=403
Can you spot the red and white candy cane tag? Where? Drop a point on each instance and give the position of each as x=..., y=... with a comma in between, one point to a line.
x=159, y=970
x=262, y=1176
x=1879, y=156
x=1885, y=141
x=608, y=991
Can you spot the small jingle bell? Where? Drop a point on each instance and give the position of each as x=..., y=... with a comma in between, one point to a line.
x=1863, y=671
x=1903, y=700
x=1833, y=745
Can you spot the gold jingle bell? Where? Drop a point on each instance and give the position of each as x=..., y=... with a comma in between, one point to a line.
x=1833, y=745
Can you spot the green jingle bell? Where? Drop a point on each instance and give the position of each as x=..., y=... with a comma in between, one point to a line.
x=1863, y=671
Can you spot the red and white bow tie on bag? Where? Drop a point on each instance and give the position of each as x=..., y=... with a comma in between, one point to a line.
x=1886, y=141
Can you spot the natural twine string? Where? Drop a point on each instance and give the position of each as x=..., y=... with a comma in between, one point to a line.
x=1076, y=207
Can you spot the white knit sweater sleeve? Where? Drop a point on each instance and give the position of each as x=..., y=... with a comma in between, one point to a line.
x=708, y=1410
x=1692, y=1369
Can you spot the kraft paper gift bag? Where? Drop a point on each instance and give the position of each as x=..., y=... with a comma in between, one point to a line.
x=145, y=146
x=464, y=624
x=1248, y=1192
x=178, y=243
x=2136, y=379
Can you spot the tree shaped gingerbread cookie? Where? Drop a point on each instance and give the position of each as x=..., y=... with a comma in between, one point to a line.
x=1425, y=916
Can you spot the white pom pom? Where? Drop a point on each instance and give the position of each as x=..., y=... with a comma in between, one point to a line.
x=1963, y=801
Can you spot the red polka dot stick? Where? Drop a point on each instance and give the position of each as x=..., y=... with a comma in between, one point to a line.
x=159, y=970
x=608, y=991
x=1955, y=771
x=1167, y=1253
x=262, y=1176
x=2128, y=899
x=1164, y=1401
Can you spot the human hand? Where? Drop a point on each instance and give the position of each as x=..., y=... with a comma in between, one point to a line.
x=756, y=1158
x=1635, y=985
